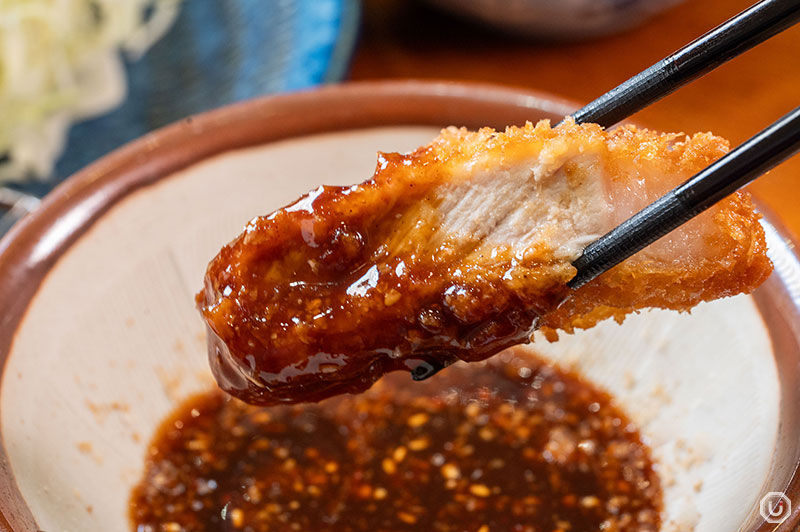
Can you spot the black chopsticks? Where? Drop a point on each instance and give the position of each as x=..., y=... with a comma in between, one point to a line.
x=768, y=148
x=738, y=34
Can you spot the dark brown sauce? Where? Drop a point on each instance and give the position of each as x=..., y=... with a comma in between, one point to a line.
x=517, y=447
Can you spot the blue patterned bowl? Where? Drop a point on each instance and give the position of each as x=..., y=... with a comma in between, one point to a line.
x=216, y=53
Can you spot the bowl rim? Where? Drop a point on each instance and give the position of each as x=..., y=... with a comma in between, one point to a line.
x=33, y=246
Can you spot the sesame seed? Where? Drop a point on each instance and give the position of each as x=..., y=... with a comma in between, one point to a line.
x=480, y=490
x=407, y=517
x=419, y=444
x=450, y=471
x=399, y=454
x=237, y=517
x=389, y=467
x=417, y=420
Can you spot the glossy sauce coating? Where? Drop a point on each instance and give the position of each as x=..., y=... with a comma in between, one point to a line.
x=518, y=447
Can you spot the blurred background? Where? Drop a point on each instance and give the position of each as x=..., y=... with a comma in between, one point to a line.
x=79, y=78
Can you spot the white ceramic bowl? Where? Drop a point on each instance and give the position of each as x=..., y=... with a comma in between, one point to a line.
x=99, y=336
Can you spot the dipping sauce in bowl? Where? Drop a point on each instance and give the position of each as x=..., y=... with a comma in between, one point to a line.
x=501, y=446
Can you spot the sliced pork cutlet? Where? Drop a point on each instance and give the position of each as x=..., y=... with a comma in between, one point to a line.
x=461, y=249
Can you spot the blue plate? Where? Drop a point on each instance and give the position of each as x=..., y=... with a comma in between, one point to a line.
x=218, y=52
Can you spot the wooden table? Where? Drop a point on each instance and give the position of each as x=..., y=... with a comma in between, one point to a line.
x=405, y=39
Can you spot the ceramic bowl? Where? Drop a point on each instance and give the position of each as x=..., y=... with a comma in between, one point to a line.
x=99, y=338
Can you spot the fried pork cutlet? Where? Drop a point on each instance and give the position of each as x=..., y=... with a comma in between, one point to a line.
x=459, y=250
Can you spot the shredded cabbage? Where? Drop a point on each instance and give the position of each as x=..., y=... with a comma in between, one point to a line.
x=60, y=62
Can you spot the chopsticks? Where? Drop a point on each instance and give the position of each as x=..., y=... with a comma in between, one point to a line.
x=762, y=152
x=738, y=34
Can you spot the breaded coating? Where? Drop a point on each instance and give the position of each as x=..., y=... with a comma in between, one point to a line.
x=459, y=250
x=720, y=253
